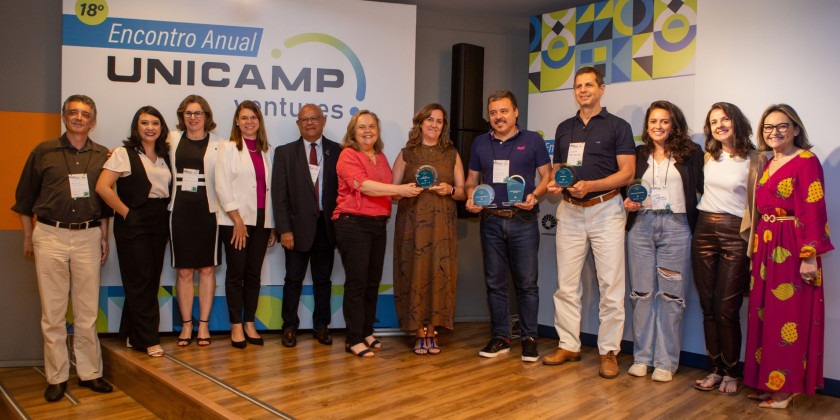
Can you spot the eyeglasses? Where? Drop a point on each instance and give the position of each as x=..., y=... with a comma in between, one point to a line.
x=196, y=114
x=309, y=120
x=768, y=128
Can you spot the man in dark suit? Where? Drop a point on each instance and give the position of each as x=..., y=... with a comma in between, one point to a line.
x=305, y=187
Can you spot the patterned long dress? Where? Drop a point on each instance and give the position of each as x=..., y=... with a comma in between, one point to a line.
x=426, y=246
x=785, y=326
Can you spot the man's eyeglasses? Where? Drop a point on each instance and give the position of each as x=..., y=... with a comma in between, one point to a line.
x=309, y=120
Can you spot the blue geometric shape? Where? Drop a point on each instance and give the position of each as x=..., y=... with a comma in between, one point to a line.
x=602, y=29
x=535, y=33
x=677, y=46
x=621, y=59
x=562, y=62
x=642, y=16
x=585, y=33
x=586, y=56
x=386, y=312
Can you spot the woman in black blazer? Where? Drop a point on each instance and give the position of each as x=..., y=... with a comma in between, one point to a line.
x=659, y=238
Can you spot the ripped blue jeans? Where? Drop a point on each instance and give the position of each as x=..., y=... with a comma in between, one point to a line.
x=659, y=261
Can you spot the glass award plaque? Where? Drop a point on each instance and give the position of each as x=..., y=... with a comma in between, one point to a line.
x=483, y=196
x=426, y=176
x=565, y=176
x=515, y=189
x=638, y=190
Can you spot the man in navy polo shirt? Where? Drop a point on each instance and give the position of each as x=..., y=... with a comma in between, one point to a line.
x=599, y=147
x=509, y=233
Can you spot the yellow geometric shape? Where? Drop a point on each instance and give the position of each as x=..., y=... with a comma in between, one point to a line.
x=600, y=54
x=588, y=14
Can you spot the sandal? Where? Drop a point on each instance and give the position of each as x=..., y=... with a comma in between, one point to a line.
x=434, y=349
x=364, y=354
x=183, y=342
x=203, y=341
x=727, y=380
x=420, y=346
x=374, y=343
x=158, y=352
x=713, y=377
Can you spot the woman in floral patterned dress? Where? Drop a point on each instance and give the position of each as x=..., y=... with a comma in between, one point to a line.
x=785, y=329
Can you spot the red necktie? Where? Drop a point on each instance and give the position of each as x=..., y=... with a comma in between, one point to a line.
x=313, y=160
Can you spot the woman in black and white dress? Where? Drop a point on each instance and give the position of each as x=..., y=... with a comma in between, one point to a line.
x=194, y=232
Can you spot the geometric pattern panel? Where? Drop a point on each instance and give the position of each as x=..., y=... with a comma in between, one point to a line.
x=628, y=40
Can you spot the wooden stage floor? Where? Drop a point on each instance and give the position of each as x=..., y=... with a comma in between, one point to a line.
x=312, y=381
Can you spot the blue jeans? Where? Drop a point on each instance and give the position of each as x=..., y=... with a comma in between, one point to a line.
x=659, y=258
x=510, y=247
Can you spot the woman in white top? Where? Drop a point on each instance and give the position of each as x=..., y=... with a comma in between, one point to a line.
x=719, y=248
x=246, y=222
x=141, y=172
x=658, y=238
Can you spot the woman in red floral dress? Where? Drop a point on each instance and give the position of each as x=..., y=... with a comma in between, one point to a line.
x=785, y=328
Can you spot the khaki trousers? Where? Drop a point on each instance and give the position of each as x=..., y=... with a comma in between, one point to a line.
x=67, y=264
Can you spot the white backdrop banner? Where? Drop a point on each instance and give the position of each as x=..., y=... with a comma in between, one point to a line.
x=341, y=55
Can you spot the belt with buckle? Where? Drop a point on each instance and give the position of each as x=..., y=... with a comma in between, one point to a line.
x=772, y=218
x=71, y=225
x=591, y=202
x=506, y=213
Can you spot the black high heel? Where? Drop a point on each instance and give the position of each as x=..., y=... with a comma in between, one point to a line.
x=257, y=341
x=204, y=341
x=183, y=342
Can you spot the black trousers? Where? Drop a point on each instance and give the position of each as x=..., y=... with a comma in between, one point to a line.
x=320, y=259
x=721, y=274
x=141, y=244
x=242, y=278
x=361, y=242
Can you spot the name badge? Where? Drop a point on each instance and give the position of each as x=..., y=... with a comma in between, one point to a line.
x=314, y=170
x=501, y=170
x=79, y=187
x=189, y=180
x=576, y=154
x=659, y=198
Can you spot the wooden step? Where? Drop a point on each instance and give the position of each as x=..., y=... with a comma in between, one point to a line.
x=26, y=385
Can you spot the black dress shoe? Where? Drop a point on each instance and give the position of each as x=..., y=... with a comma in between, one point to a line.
x=55, y=392
x=239, y=344
x=289, y=338
x=322, y=334
x=97, y=385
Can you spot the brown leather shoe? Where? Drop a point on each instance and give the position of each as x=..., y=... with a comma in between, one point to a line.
x=609, y=366
x=561, y=356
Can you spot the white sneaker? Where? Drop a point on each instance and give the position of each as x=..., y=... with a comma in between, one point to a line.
x=638, y=369
x=662, y=375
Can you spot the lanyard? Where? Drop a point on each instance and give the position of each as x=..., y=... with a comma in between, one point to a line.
x=67, y=164
x=667, y=167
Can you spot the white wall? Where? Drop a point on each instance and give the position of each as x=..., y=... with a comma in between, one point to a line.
x=757, y=52
x=752, y=53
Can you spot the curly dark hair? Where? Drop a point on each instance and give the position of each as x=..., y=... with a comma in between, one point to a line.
x=678, y=144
